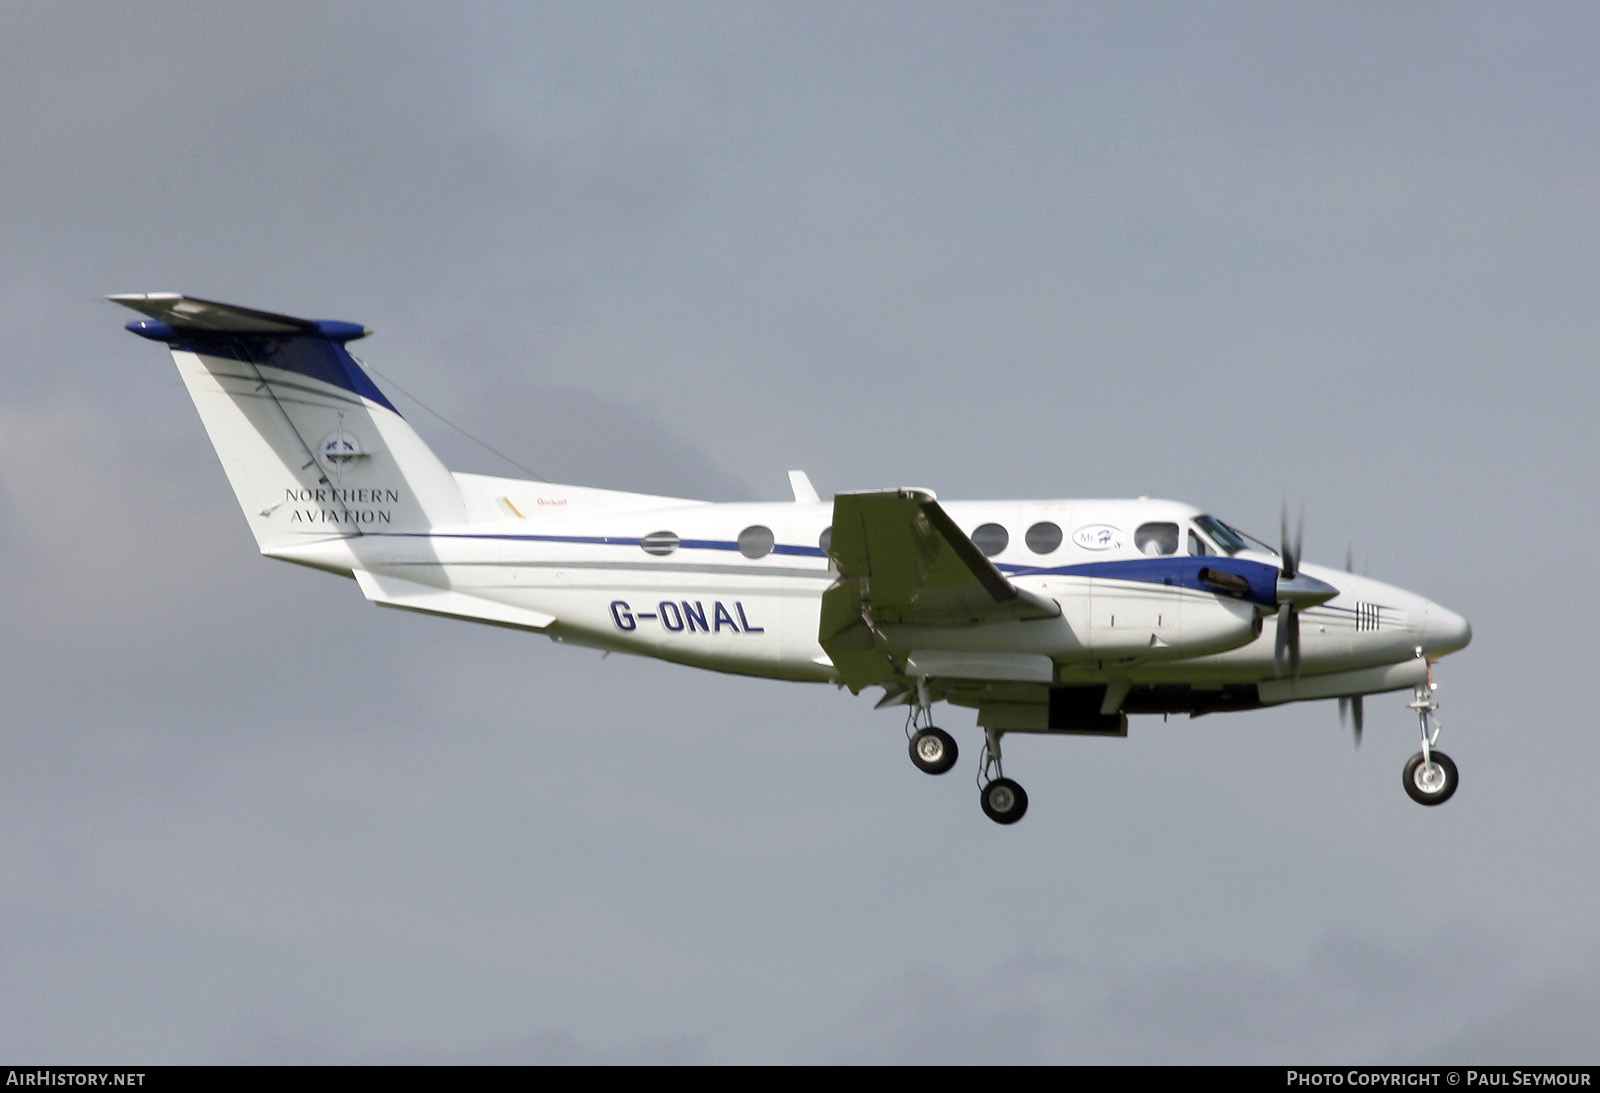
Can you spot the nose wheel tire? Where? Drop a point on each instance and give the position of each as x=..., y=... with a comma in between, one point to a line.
x=1004, y=801
x=1430, y=783
x=933, y=750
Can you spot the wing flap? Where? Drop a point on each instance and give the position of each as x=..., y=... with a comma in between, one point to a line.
x=903, y=561
x=918, y=568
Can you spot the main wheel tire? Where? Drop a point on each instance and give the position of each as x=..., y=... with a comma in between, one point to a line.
x=933, y=750
x=1431, y=783
x=1004, y=801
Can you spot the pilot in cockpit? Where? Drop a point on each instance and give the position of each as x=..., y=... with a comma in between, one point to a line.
x=1156, y=539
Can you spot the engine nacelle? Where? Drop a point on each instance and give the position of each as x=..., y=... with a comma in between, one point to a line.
x=1128, y=619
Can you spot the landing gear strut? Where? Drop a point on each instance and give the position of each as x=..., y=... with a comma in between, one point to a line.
x=1002, y=800
x=1430, y=776
x=932, y=749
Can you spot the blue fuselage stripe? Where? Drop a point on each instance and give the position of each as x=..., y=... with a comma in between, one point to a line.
x=610, y=540
x=1176, y=572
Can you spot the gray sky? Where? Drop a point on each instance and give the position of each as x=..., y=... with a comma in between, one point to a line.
x=1226, y=253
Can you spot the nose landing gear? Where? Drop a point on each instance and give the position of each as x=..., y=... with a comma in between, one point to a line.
x=1430, y=779
x=1430, y=776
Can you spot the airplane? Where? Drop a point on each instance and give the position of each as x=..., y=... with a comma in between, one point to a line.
x=1059, y=617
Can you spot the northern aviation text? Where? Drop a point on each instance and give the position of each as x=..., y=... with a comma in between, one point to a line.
x=346, y=514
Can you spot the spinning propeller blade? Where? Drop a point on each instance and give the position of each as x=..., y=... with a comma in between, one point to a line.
x=1291, y=551
x=1288, y=641
x=1288, y=618
x=1350, y=705
x=1296, y=592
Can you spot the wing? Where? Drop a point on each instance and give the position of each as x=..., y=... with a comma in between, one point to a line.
x=902, y=561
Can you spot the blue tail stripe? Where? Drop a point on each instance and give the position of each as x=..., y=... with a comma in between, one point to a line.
x=319, y=356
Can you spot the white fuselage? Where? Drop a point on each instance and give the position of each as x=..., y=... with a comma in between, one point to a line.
x=667, y=578
x=1043, y=616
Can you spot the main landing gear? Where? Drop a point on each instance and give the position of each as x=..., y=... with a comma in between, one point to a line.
x=934, y=751
x=1002, y=800
x=1430, y=776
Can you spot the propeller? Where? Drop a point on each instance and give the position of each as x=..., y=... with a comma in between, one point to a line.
x=1350, y=706
x=1296, y=592
x=1350, y=711
x=1288, y=641
x=1291, y=551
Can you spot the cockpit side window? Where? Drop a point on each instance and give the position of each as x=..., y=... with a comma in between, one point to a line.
x=1228, y=540
x=1156, y=538
x=1197, y=545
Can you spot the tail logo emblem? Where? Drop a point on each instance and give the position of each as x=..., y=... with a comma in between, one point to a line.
x=339, y=452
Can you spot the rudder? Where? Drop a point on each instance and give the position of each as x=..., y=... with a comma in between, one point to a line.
x=312, y=448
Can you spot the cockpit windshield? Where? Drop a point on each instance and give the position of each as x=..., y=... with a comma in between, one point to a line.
x=1229, y=539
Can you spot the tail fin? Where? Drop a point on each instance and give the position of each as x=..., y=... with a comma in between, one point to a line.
x=312, y=448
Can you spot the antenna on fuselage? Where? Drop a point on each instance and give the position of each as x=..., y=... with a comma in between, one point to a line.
x=485, y=445
x=804, y=492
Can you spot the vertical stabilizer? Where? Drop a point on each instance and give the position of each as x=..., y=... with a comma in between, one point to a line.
x=312, y=448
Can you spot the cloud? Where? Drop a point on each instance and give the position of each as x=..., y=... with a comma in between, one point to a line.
x=540, y=1048
x=1036, y=251
x=1351, y=1000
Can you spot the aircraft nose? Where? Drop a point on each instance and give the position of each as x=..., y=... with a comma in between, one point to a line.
x=1444, y=632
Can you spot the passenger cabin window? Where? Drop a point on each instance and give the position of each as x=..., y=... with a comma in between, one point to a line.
x=659, y=543
x=1156, y=539
x=1043, y=537
x=991, y=539
x=756, y=541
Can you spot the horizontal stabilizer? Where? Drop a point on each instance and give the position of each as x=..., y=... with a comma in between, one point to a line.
x=190, y=313
x=411, y=596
